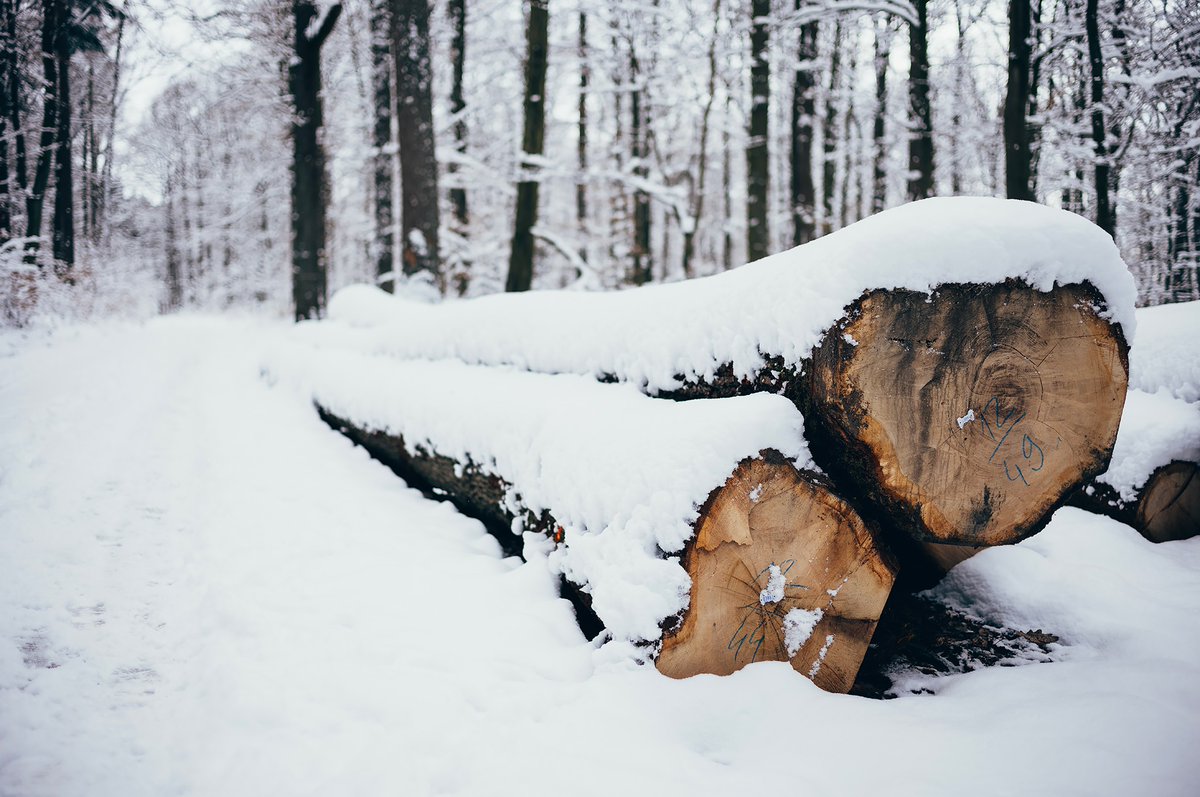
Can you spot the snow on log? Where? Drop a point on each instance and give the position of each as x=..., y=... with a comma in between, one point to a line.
x=637, y=494
x=1166, y=355
x=961, y=362
x=1153, y=481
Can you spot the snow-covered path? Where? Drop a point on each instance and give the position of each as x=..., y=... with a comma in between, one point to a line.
x=205, y=591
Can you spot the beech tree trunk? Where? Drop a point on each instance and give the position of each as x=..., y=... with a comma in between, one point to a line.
x=804, y=111
x=308, y=163
x=383, y=157
x=920, y=144
x=458, y=105
x=642, y=270
x=53, y=27
x=829, y=132
x=62, y=237
x=757, y=160
x=883, y=45
x=419, y=215
x=1017, y=157
x=1167, y=507
x=767, y=513
x=537, y=42
x=8, y=76
x=1105, y=218
x=581, y=185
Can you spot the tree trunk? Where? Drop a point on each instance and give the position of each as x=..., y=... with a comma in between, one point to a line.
x=1017, y=163
x=63, y=228
x=883, y=46
x=520, y=262
x=174, y=283
x=1104, y=213
x=13, y=87
x=829, y=132
x=419, y=217
x=9, y=76
x=53, y=27
x=804, y=112
x=308, y=164
x=1033, y=133
x=106, y=182
x=458, y=54
x=384, y=156
x=727, y=188
x=696, y=209
x=1167, y=507
x=767, y=513
x=757, y=152
x=581, y=184
x=643, y=261
x=920, y=144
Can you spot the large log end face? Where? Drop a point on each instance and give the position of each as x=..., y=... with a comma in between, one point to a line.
x=967, y=415
x=771, y=520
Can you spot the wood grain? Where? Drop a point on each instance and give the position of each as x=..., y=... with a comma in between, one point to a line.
x=767, y=514
x=966, y=416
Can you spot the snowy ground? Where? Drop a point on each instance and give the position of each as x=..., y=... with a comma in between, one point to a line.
x=205, y=591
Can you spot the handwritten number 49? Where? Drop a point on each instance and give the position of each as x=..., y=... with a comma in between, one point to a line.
x=1003, y=424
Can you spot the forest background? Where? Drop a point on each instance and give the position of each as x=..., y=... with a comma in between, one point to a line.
x=158, y=155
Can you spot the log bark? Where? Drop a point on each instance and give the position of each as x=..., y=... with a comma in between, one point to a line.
x=767, y=513
x=1037, y=380
x=1167, y=507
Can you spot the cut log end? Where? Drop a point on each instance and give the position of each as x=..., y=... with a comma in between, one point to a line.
x=1168, y=506
x=782, y=570
x=967, y=415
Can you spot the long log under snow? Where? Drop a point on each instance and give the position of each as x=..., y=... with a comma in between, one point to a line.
x=1153, y=481
x=962, y=363
x=675, y=517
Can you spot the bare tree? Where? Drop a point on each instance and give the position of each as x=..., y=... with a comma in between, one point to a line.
x=757, y=157
x=520, y=262
x=308, y=163
x=419, y=215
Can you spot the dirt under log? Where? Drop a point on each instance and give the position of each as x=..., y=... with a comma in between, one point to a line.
x=962, y=417
x=1167, y=507
x=769, y=541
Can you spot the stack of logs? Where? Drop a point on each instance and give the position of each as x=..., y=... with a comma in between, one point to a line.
x=943, y=422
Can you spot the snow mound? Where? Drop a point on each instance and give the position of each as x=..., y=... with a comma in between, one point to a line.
x=1165, y=354
x=780, y=305
x=1156, y=428
x=622, y=473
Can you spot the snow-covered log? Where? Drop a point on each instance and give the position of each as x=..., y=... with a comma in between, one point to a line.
x=1153, y=481
x=961, y=362
x=691, y=518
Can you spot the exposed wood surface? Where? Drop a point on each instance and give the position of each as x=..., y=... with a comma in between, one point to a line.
x=768, y=514
x=966, y=417
x=1167, y=507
